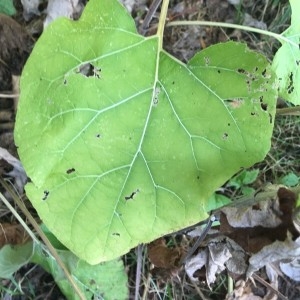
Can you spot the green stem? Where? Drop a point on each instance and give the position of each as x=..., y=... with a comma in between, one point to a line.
x=162, y=22
x=277, y=36
x=35, y=225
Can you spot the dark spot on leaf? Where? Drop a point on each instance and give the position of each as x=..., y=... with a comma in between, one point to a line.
x=46, y=194
x=71, y=170
x=228, y=124
x=116, y=234
x=98, y=135
x=225, y=136
x=253, y=114
x=131, y=196
x=256, y=69
x=65, y=82
x=198, y=177
x=242, y=71
x=219, y=71
x=92, y=281
x=263, y=73
x=173, y=82
x=297, y=62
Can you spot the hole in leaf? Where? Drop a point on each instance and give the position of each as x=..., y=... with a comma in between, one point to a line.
x=89, y=70
x=98, y=135
x=242, y=71
x=290, y=87
x=116, y=234
x=264, y=106
x=46, y=194
x=207, y=60
x=65, y=81
x=263, y=73
x=271, y=118
x=71, y=170
x=225, y=136
x=131, y=196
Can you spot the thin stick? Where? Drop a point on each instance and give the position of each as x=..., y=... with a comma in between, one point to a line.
x=200, y=239
x=290, y=111
x=138, y=273
x=267, y=285
x=2, y=95
x=277, y=36
x=153, y=8
x=35, y=225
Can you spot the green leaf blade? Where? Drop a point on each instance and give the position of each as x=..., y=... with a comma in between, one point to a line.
x=126, y=144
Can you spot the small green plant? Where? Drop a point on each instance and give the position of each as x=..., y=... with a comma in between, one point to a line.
x=124, y=143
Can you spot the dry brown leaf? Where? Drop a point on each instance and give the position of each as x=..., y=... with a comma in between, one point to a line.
x=166, y=260
x=261, y=224
x=12, y=234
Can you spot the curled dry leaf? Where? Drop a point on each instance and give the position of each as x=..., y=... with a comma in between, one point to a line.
x=256, y=226
x=221, y=253
x=287, y=250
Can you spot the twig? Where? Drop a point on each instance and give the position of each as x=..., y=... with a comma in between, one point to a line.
x=3, y=95
x=138, y=273
x=267, y=285
x=200, y=239
x=153, y=8
x=290, y=111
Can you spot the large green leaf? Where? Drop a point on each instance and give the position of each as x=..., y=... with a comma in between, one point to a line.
x=286, y=62
x=122, y=142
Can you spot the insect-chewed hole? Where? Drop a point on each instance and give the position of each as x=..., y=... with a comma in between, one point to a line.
x=89, y=70
x=71, y=170
x=132, y=195
x=46, y=194
x=225, y=136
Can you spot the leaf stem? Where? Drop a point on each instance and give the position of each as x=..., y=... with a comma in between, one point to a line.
x=35, y=225
x=277, y=36
x=162, y=22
